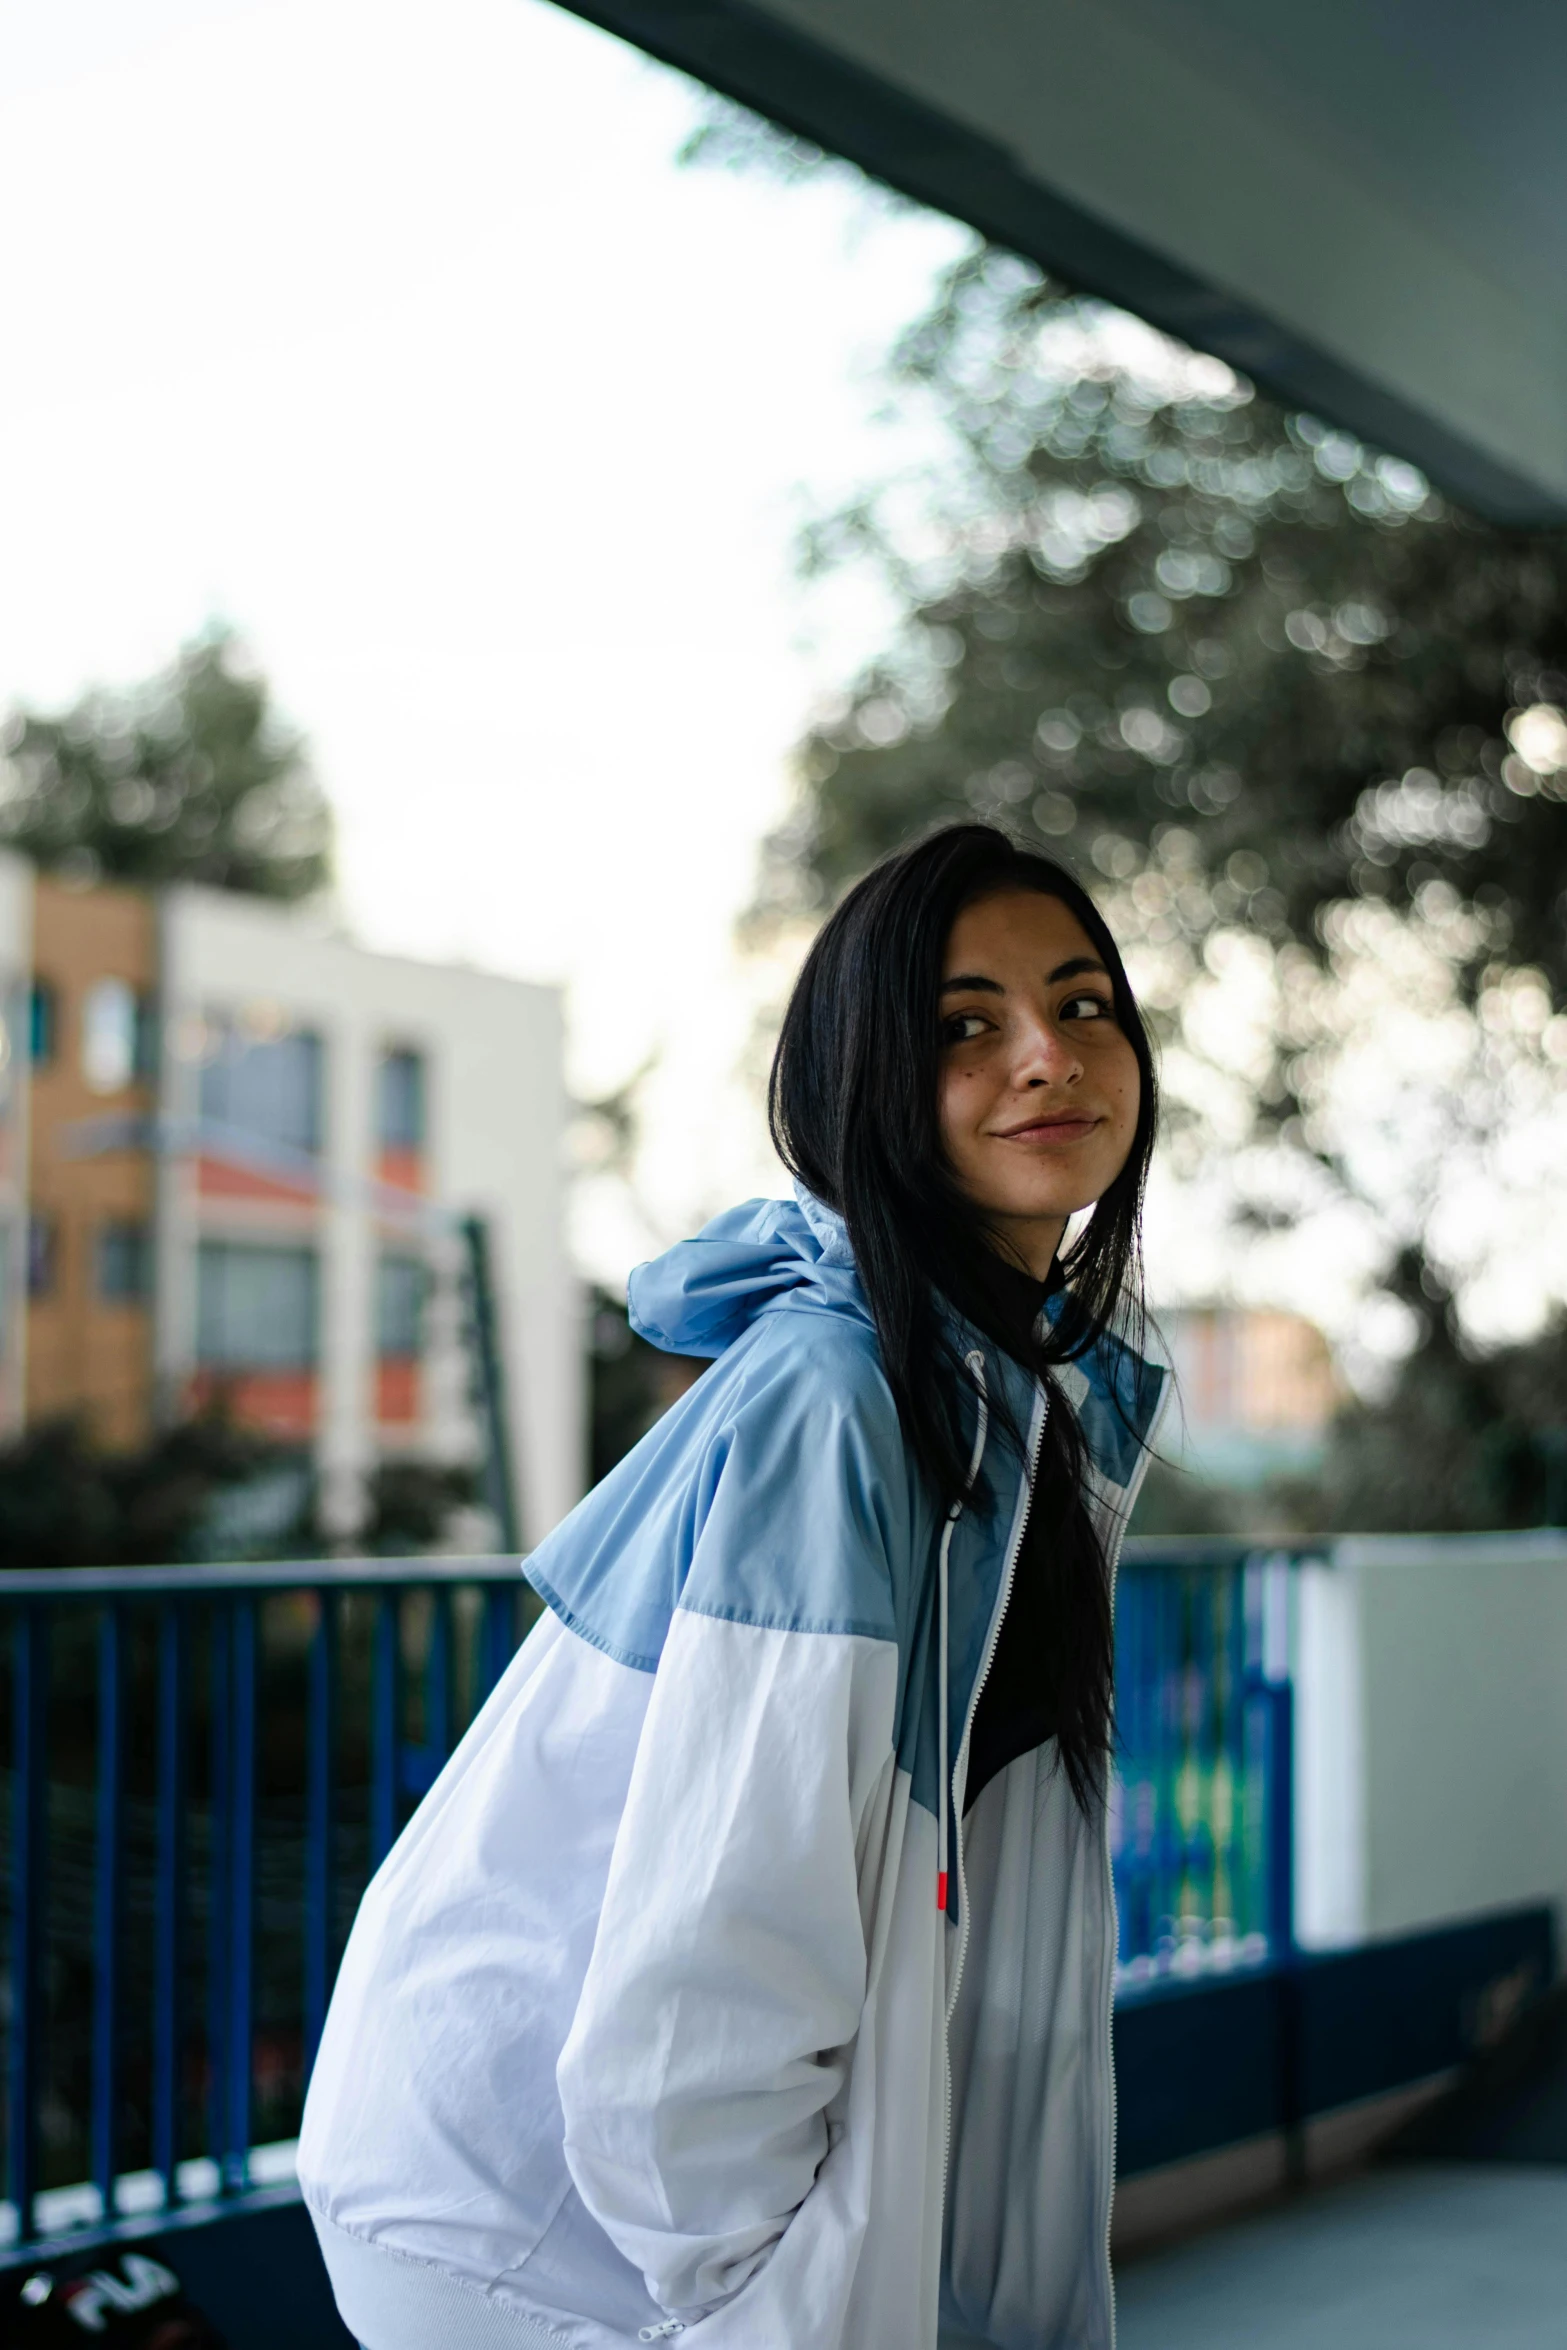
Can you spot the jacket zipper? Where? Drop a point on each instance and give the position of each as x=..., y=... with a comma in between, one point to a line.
x=1115, y=1929
x=1108, y=1995
x=949, y=1793
x=1036, y=1442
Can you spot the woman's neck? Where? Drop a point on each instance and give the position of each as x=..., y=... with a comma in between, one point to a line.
x=1030, y=1245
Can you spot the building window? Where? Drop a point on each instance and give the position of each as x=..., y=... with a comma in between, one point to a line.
x=43, y=1255
x=399, y=1117
x=124, y=1263
x=148, y=1039
x=256, y=1307
x=113, y=1026
x=402, y=1285
x=43, y=1007
x=266, y=1087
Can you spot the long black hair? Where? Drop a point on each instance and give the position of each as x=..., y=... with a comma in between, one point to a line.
x=853, y=1106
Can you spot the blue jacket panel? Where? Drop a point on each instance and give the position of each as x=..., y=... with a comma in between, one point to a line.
x=779, y=1490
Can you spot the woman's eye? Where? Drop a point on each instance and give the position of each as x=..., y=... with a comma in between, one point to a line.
x=1087, y=1007
x=963, y=1027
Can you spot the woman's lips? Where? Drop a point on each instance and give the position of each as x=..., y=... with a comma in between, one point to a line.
x=1050, y=1130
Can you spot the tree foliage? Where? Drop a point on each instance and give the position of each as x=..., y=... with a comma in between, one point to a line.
x=190, y=777
x=1275, y=691
x=65, y=1501
x=624, y=1394
x=204, y=1487
x=411, y=1504
x=1306, y=720
x=1144, y=609
x=1467, y=1439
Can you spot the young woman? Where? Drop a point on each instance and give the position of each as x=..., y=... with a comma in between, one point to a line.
x=746, y=1974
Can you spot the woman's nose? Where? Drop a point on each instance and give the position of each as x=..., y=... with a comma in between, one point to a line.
x=1045, y=1057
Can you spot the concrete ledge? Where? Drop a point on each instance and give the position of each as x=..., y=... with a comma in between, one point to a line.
x=1155, y=2207
x=1207, y=2065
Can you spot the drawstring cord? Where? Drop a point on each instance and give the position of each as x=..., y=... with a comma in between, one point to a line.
x=976, y=1364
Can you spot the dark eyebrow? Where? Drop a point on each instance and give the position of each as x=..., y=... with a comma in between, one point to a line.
x=976, y=982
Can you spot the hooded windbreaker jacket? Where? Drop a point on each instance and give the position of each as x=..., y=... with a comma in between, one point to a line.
x=650, y=2026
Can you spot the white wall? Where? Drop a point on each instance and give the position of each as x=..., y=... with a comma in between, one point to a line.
x=1431, y=1732
x=496, y=1119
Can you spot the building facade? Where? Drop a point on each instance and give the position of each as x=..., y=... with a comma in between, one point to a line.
x=236, y=1154
x=1257, y=1389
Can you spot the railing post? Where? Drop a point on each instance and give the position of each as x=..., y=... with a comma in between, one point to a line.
x=1235, y=1672
x=168, y=2018
x=1135, y=1739
x=1206, y=1745
x=1280, y=1845
x=384, y=1727
x=499, y=1636
x=242, y=1872
x=438, y=1681
x=205, y=1650
x=1169, y=1621
x=1281, y=1821
x=29, y=1733
x=499, y=1483
x=108, y=1905
x=1288, y=1984
x=320, y=1882
x=1278, y=1696
x=218, y=1853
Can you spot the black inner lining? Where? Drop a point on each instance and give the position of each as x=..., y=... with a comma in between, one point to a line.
x=1012, y=1718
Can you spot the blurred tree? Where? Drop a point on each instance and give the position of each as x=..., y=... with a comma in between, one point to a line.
x=56, y=1509
x=625, y=1395
x=1307, y=721
x=631, y=1384
x=412, y=1502
x=1173, y=1501
x=188, y=778
x=205, y=1487
x=66, y=1502
x=1142, y=614
x=1465, y=1440
x=1211, y=649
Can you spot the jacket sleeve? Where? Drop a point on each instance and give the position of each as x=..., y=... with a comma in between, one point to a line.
x=729, y=1968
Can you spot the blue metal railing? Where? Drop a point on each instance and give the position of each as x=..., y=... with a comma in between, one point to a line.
x=206, y=1764
x=1202, y=1803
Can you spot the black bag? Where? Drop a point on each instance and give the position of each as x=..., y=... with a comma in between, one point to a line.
x=125, y=2300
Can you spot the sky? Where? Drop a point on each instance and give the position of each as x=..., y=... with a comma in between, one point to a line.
x=395, y=336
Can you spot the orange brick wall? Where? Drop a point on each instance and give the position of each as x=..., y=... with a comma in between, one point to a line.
x=84, y=1352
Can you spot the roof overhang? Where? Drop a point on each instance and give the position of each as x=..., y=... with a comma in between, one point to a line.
x=1360, y=203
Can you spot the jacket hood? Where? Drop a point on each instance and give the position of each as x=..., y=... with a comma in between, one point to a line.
x=703, y=1294
x=700, y=1295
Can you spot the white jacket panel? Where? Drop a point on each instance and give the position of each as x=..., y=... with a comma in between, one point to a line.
x=432, y=2124
x=1032, y=2088
x=729, y=1973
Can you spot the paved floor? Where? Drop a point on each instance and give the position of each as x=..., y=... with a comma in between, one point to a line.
x=1427, y=2256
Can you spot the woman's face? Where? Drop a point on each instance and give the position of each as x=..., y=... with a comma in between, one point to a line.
x=1039, y=1083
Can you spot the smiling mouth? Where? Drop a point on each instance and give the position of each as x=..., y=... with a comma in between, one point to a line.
x=1070, y=1128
